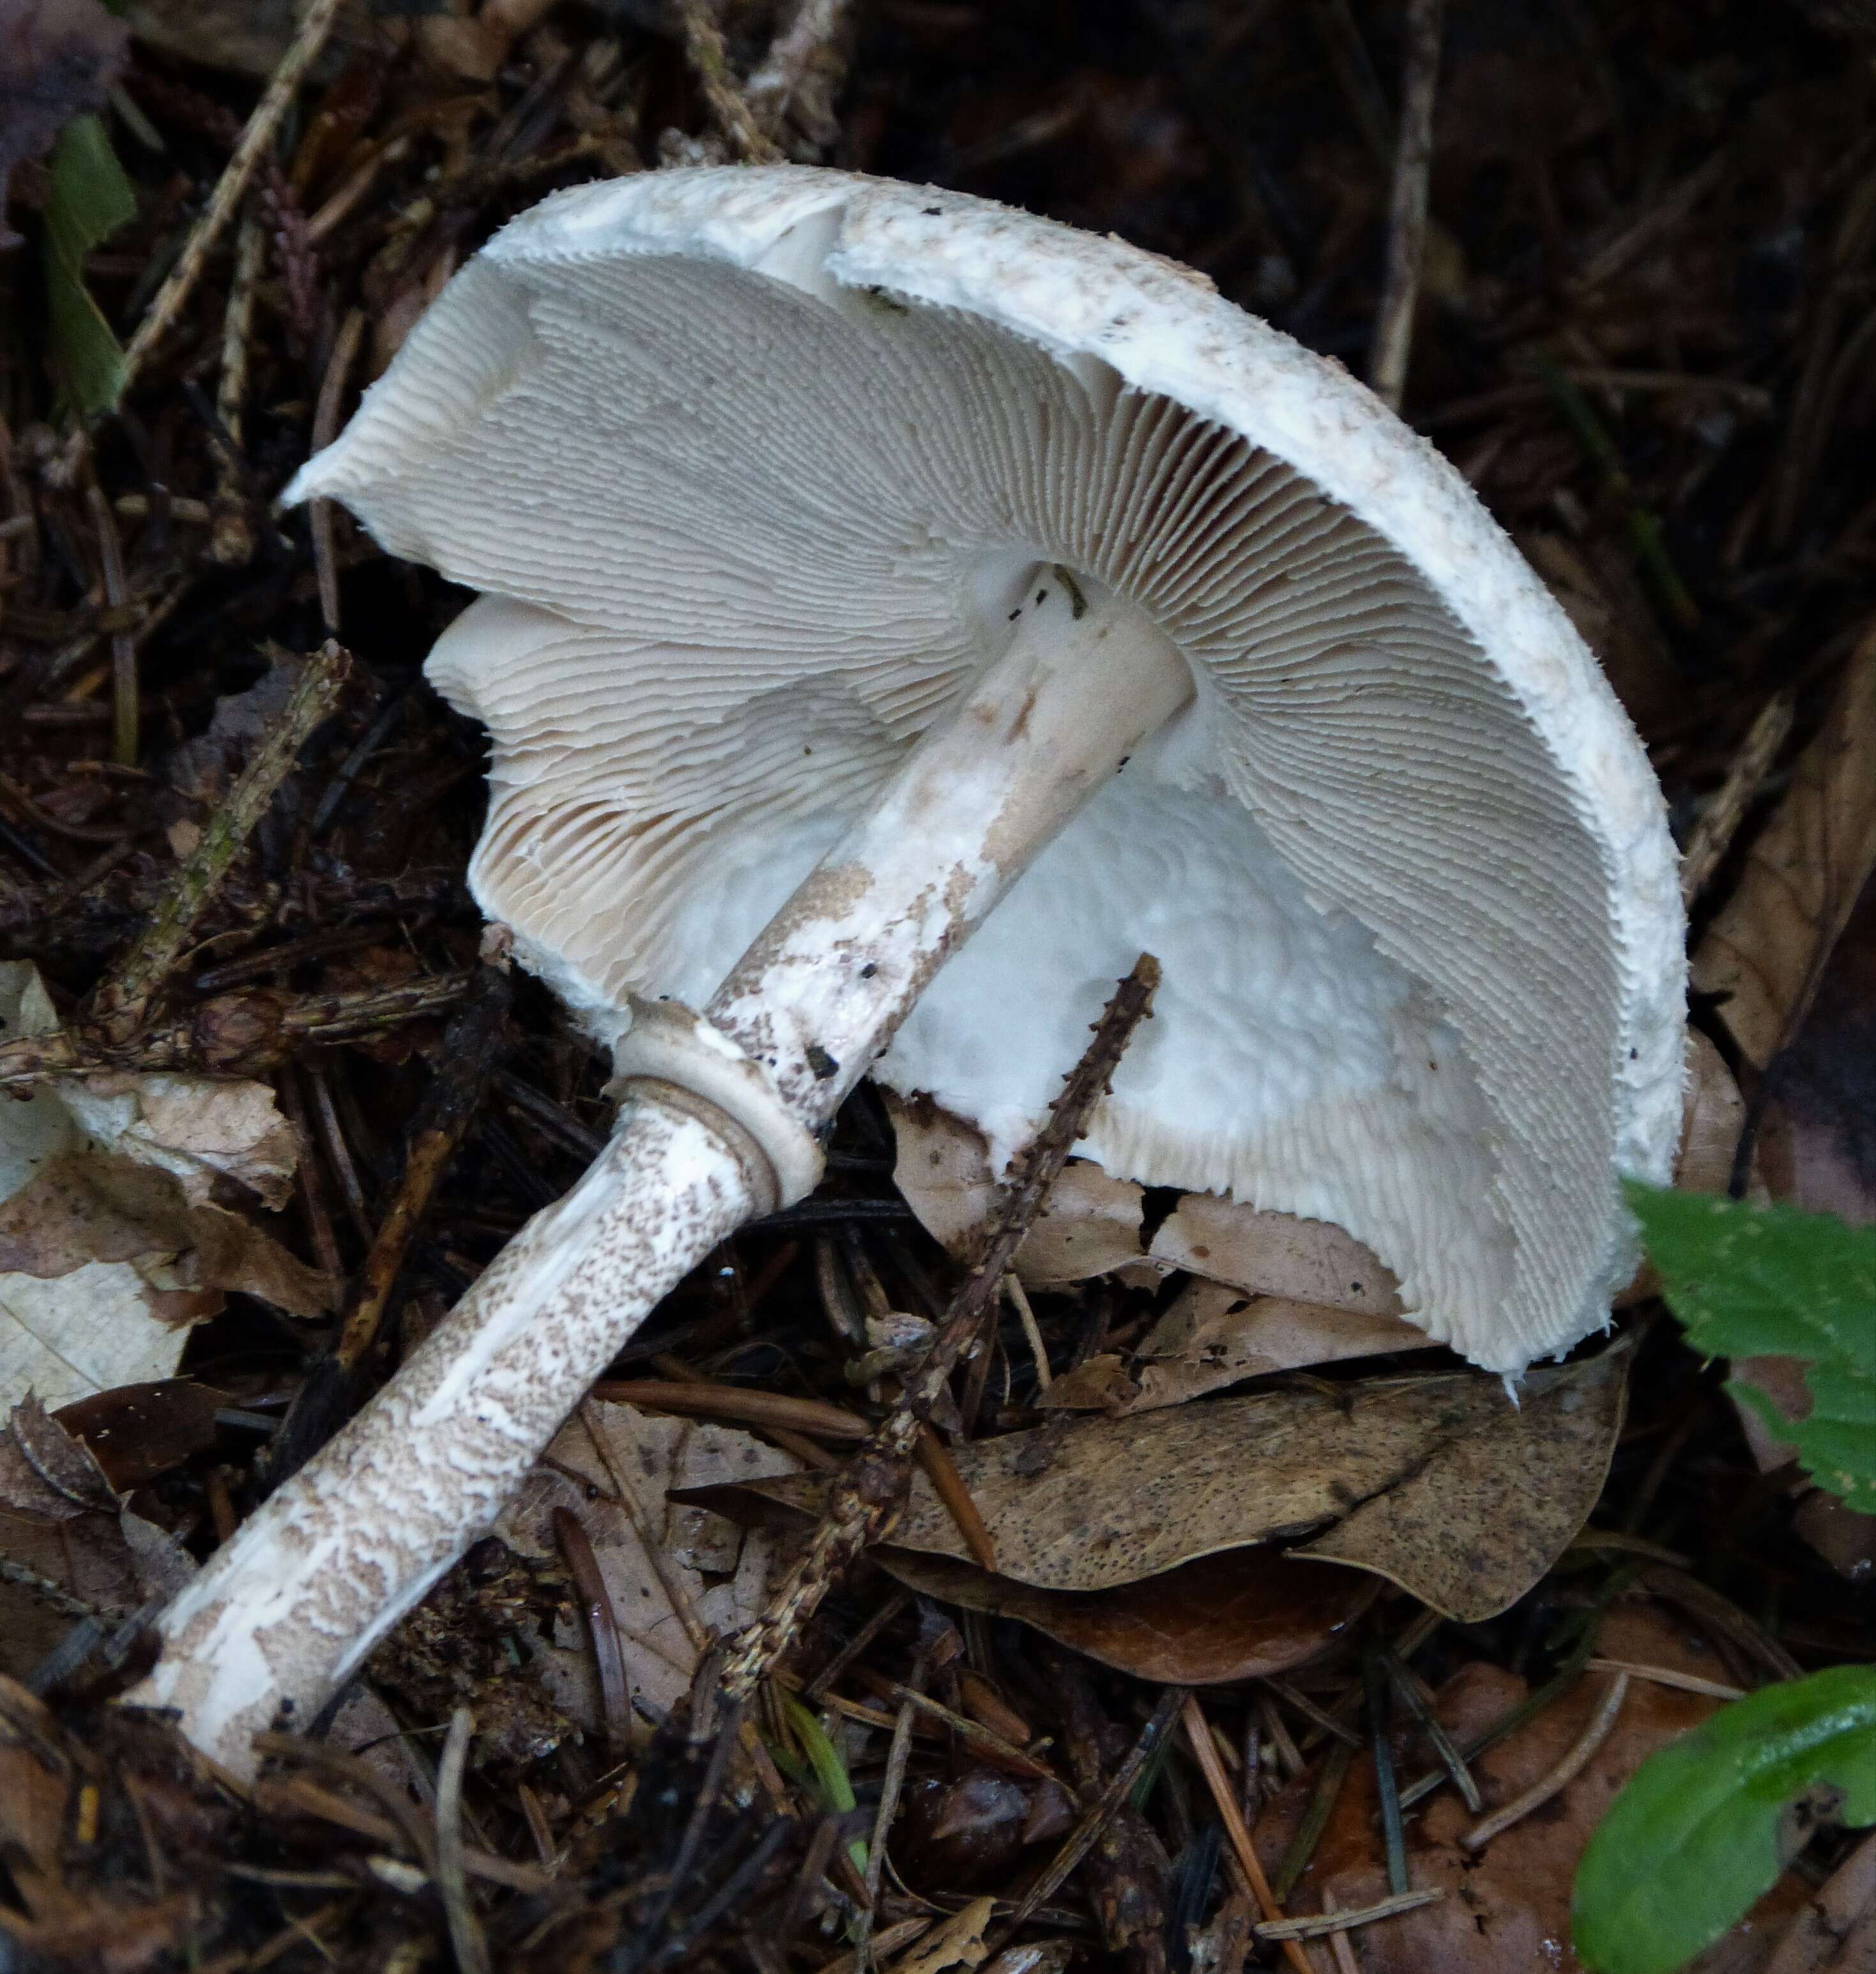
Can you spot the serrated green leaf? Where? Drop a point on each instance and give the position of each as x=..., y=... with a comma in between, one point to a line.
x=88, y=198
x=1772, y=1282
x=1705, y=1827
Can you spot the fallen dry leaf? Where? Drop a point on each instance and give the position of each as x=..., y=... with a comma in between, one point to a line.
x=1245, y=1613
x=1506, y=1909
x=197, y=1129
x=109, y=1246
x=1212, y=1337
x=1093, y=1224
x=1441, y=1484
x=720, y=1571
x=958, y=1942
x=95, y=1206
x=1836, y=1932
x=1764, y=953
x=137, y=1432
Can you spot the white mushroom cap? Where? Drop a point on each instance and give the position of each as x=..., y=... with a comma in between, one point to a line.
x=754, y=467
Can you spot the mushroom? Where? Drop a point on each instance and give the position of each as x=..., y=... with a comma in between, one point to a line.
x=840, y=543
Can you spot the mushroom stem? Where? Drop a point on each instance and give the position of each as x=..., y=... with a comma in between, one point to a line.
x=712, y=1130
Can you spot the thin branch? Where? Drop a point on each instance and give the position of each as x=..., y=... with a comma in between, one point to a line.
x=1602, y=1722
x=256, y=140
x=709, y=58
x=1407, y=214
x=122, y=1003
x=870, y=1492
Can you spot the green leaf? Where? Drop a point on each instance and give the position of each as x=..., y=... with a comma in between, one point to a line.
x=832, y=1782
x=1772, y=1282
x=1705, y=1827
x=88, y=199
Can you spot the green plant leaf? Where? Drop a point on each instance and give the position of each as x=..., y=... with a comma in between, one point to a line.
x=1705, y=1827
x=1750, y=1282
x=832, y=1782
x=88, y=199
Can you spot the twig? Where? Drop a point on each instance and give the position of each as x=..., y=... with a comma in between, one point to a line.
x=1719, y=822
x=256, y=140
x=898, y=1757
x=1331, y=1920
x=709, y=58
x=1032, y=1330
x=948, y=1484
x=1387, y=1785
x=1683, y=1682
x=1006, y=1752
x=1086, y=1833
x=858, y=1643
x=798, y=78
x=329, y=1393
x=706, y=1400
x=122, y=1002
x=231, y=542
x=867, y=1499
x=1322, y=1802
x=124, y=712
x=1450, y=1759
x=602, y=1625
x=1338, y=1945
x=1198, y=1735
x=325, y=429
x=1407, y=215
x=234, y=1034
x=452, y=1883
x=1601, y=1723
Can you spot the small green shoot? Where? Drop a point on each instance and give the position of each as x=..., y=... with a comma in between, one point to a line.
x=823, y=1763
x=1706, y=1825
x=1751, y=1282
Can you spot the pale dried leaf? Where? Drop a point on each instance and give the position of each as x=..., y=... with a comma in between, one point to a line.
x=1094, y=1224
x=163, y=1566
x=958, y=1942
x=1836, y=1932
x=107, y=1256
x=724, y=1571
x=1441, y=1484
x=197, y=1127
x=1765, y=952
x=96, y=1206
x=1213, y=1337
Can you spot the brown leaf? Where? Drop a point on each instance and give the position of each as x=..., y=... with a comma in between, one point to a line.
x=1508, y=1909
x=1213, y=1337
x=64, y=1463
x=137, y=1432
x=718, y=1571
x=200, y=1128
x=958, y=1942
x=1245, y=1613
x=1836, y=1932
x=58, y=59
x=960, y=1833
x=1441, y=1484
x=1766, y=950
x=97, y=1206
x=1093, y=1224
